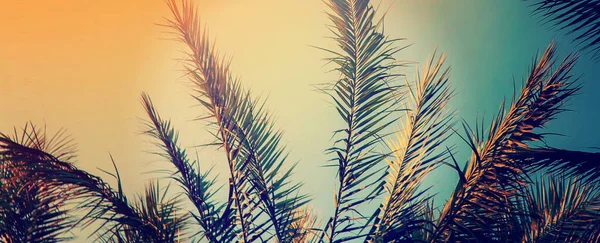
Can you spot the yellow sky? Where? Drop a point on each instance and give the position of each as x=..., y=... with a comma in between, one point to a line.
x=82, y=64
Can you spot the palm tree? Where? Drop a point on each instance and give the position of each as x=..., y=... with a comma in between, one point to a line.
x=495, y=199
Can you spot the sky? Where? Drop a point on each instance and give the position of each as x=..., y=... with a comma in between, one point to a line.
x=81, y=65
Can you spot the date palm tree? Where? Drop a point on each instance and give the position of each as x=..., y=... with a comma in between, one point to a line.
x=379, y=197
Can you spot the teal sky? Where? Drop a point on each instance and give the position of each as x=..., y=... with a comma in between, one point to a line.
x=88, y=78
x=488, y=44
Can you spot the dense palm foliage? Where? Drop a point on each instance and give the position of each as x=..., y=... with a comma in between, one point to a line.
x=500, y=195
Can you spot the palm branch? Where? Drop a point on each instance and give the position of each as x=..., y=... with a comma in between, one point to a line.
x=31, y=210
x=481, y=205
x=98, y=198
x=584, y=165
x=561, y=209
x=415, y=154
x=217, y=221
x=581, y=18
x=159, y=211
x=245, y=131
x=364, y=97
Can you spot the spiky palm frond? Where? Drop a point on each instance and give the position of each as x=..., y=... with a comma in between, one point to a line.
x=580, y=18
x=415, y=153
x=561, y=209
x=583, y=165
x=216, y=220
x=156, y=209
x=31, y=210
x=245, y=131
x=305, y=224
x=426, y=231
x=481, y=204
x=104, y=203
x=364, y=97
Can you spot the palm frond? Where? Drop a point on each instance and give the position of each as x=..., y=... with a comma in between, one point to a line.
x=415, y=153
x=216, y=220
x=157, y=211
x=562, y=209
x=31, y=210
x=583, y=165
x=364, y=97
x=481, y=204
x=245, y=131
x=580, y=18
x=305, y=224
x=105, y=204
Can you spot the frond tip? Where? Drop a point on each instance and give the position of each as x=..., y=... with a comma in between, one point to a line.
x=415, y=153
x=579, y=18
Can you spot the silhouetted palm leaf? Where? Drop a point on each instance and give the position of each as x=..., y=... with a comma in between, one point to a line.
x=580, y=17
x=31, y=210
x=584, y=165
x=480, y=208
x=364, y=97
x=158, y=211
x=562, y=209
x=103, y=202
x=245, y=131
x=217, y=221
x=415, y=153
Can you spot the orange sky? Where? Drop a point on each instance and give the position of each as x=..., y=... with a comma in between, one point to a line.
x=82, y=65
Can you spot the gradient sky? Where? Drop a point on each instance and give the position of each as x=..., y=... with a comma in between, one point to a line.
x=82, y=65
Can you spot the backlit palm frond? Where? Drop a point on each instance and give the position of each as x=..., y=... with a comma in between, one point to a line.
x=416, y=152
x=217, y=221
x=562, y=209
x=426, y=231
x=105, y=204
x=245, y=131
x=580, y=18
x=305, y=223
x=364, y=97
x=481, y=205
x=162, y=213
x=31, y=211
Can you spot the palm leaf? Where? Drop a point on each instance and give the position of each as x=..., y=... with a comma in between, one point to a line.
x=562, y=209
x=416, y=153
x=217, y=221
x=245, y=131
x=583, y=165
x=581, y=18
x=157, y=211
x=31, y=210
x=364, y=97
x=481, y=206
x=105, y=204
